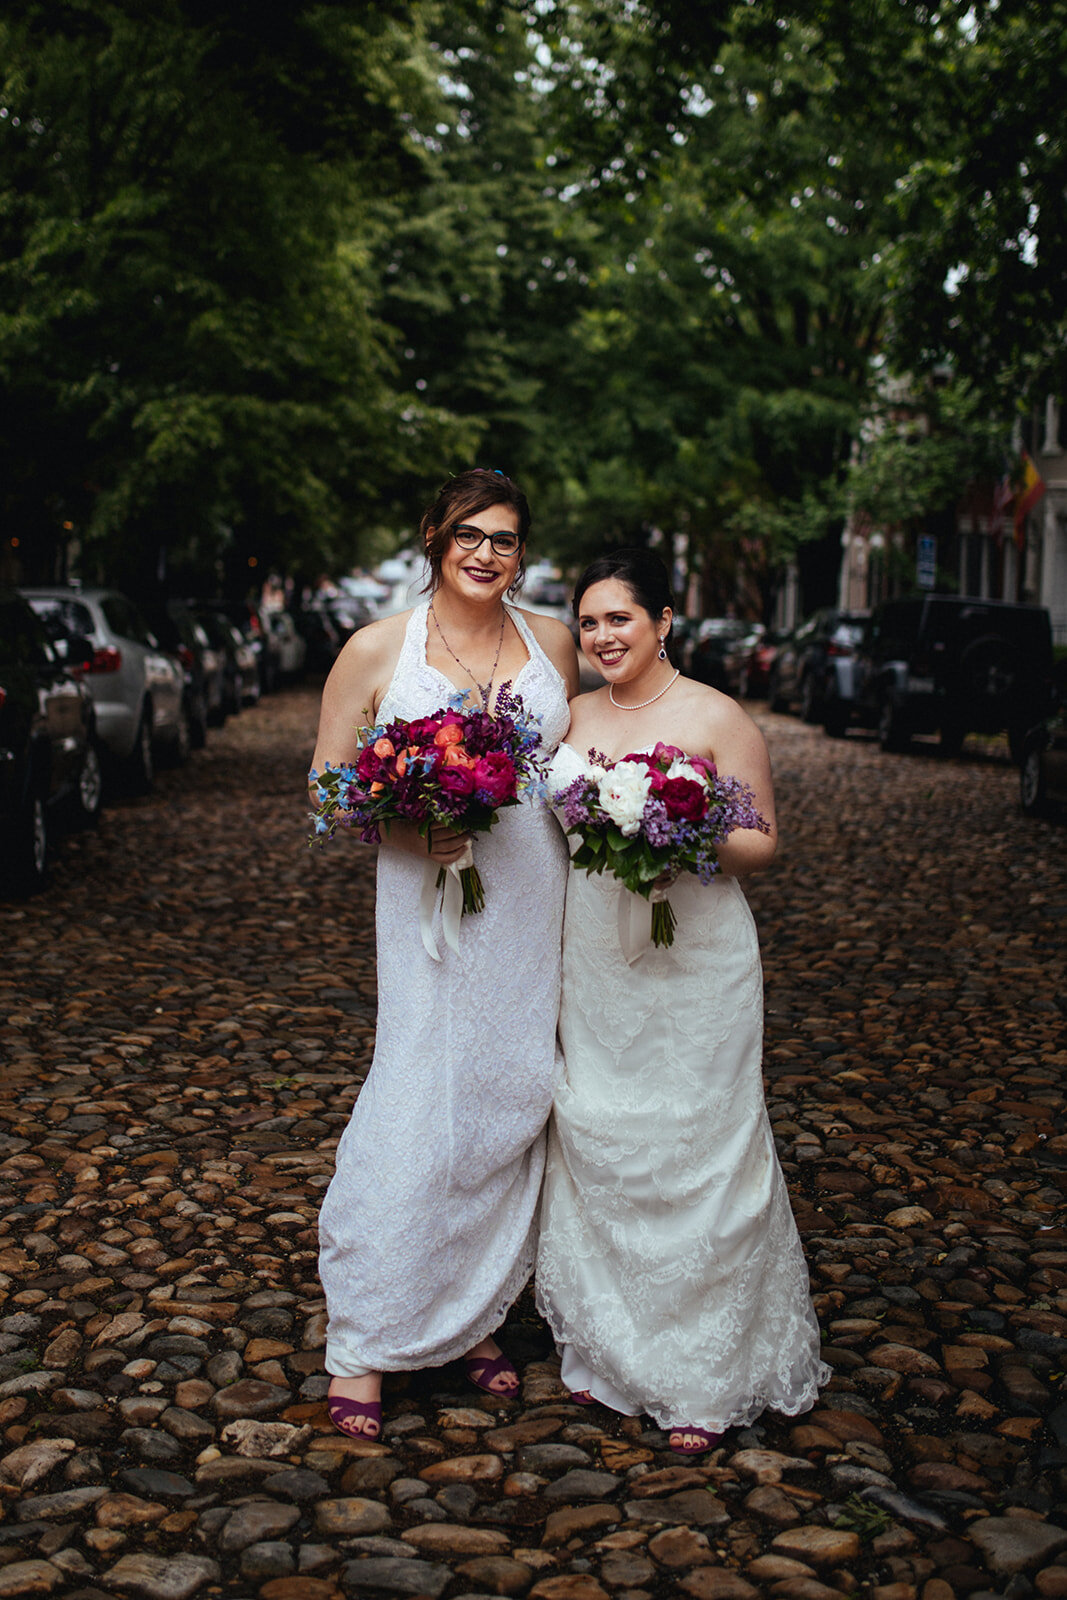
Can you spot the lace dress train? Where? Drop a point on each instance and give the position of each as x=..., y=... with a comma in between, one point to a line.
x=428, y=1229
x=669, y=1268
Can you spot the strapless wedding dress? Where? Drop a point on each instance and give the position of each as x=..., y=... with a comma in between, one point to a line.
x=669, y=1268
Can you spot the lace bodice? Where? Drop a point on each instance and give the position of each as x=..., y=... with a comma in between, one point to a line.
x=417, y=688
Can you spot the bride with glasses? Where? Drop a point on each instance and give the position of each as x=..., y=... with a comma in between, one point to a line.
x=427, y=1231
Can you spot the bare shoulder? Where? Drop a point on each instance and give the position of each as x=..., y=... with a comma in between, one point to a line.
x=550, y=633
x=557, y=641
x=377, y=640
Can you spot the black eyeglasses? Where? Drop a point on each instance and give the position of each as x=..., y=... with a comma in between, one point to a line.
x=468, y=538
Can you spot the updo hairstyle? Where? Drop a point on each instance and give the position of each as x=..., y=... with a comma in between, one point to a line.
x=640, y=570
x=462, y=497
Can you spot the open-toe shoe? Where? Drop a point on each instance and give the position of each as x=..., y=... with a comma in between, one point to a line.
x=481, y=1370
x=689, y=1441
x=345, y=1412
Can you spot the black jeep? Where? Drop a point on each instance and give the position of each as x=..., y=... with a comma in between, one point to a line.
x=952, y=665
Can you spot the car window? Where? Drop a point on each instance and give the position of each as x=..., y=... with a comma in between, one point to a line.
x=66, y=616
x=124, y=618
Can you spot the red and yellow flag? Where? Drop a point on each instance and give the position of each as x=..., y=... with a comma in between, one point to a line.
x=1031, y=488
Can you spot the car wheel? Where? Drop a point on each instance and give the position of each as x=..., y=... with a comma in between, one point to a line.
x=142, y=763
x=950, y=738
x=26, y=848
x=1017, y=741
x=198, y=721
x=809, y=700
x=182, y=747
x=1032, y=791
x=89, y=789
x=836, y=720
x=774, y=694
x=892, y=735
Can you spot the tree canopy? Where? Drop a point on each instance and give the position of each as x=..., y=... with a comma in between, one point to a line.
x=266, y=276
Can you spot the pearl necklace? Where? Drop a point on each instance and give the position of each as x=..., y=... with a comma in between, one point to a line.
x=640, y=706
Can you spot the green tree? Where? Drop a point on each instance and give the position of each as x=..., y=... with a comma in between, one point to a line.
x=190, y=367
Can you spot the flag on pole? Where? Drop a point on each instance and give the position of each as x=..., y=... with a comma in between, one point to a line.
x=1003, y=495
x=1031, y=488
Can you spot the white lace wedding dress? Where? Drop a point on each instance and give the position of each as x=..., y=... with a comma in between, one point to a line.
x=669, y=1267
x=428, y=1229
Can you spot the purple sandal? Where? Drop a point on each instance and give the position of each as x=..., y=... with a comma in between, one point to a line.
x=704, y=1441
x=582, y=1397
x=481, y=1370
x=343, y=1411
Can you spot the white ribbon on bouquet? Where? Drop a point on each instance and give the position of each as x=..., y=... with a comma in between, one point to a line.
x=635, y=922
x=451, y=902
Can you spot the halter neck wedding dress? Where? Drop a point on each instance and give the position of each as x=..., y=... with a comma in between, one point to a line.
x=428, y=1229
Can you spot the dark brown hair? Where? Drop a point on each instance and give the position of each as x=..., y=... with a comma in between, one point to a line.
x=640, y=570
x=464, y=496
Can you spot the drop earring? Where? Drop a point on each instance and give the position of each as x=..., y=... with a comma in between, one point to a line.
x=662, y=651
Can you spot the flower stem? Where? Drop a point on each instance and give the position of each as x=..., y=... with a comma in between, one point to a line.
x=663, y=924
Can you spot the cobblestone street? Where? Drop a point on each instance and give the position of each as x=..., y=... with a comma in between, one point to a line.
x=185, y=1017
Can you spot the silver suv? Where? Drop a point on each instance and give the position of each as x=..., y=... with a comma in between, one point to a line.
x=136, y=687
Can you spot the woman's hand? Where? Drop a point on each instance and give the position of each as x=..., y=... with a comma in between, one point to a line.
x=443, y=844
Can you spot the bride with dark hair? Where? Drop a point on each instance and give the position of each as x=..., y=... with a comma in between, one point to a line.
x=669, y=1266
x=428, y=1228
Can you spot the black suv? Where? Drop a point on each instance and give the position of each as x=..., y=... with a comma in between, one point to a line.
x=952, y=665
x=48, y=753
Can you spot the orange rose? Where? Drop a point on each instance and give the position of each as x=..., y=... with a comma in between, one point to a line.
x=456, y=756
x=384, y=747
x=451, y=733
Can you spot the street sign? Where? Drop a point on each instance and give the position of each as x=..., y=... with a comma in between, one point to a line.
x=926, y=561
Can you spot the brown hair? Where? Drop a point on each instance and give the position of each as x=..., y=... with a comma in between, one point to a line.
x=464, y=496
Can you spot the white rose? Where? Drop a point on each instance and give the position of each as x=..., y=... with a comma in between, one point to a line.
x=623, y=792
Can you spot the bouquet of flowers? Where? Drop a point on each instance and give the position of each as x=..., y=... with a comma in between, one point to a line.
x=458, y=766
x=652, y=813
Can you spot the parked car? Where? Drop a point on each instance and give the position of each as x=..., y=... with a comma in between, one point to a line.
x=755, y=657
x=1043, y=767
x=240, y=660
x=137, y=688
x=49, y=761
x=291, y=645
x=181, y=635
x=952, y=665
x=805, y=670
x=252, y=621
x=321, y=635
x=708, y=650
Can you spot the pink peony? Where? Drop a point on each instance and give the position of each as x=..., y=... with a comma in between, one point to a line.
x=495, y=777
x=683, y=798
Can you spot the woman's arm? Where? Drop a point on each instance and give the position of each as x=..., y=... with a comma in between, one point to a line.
x=354, y=690
x=740, y=751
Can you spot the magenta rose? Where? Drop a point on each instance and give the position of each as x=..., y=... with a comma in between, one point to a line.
x=422, y=731
x=369, y=764
x=457, y=782
x=684, y=799
x=494, y=778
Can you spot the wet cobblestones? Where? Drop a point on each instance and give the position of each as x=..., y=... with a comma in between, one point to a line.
x=185, y=1017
